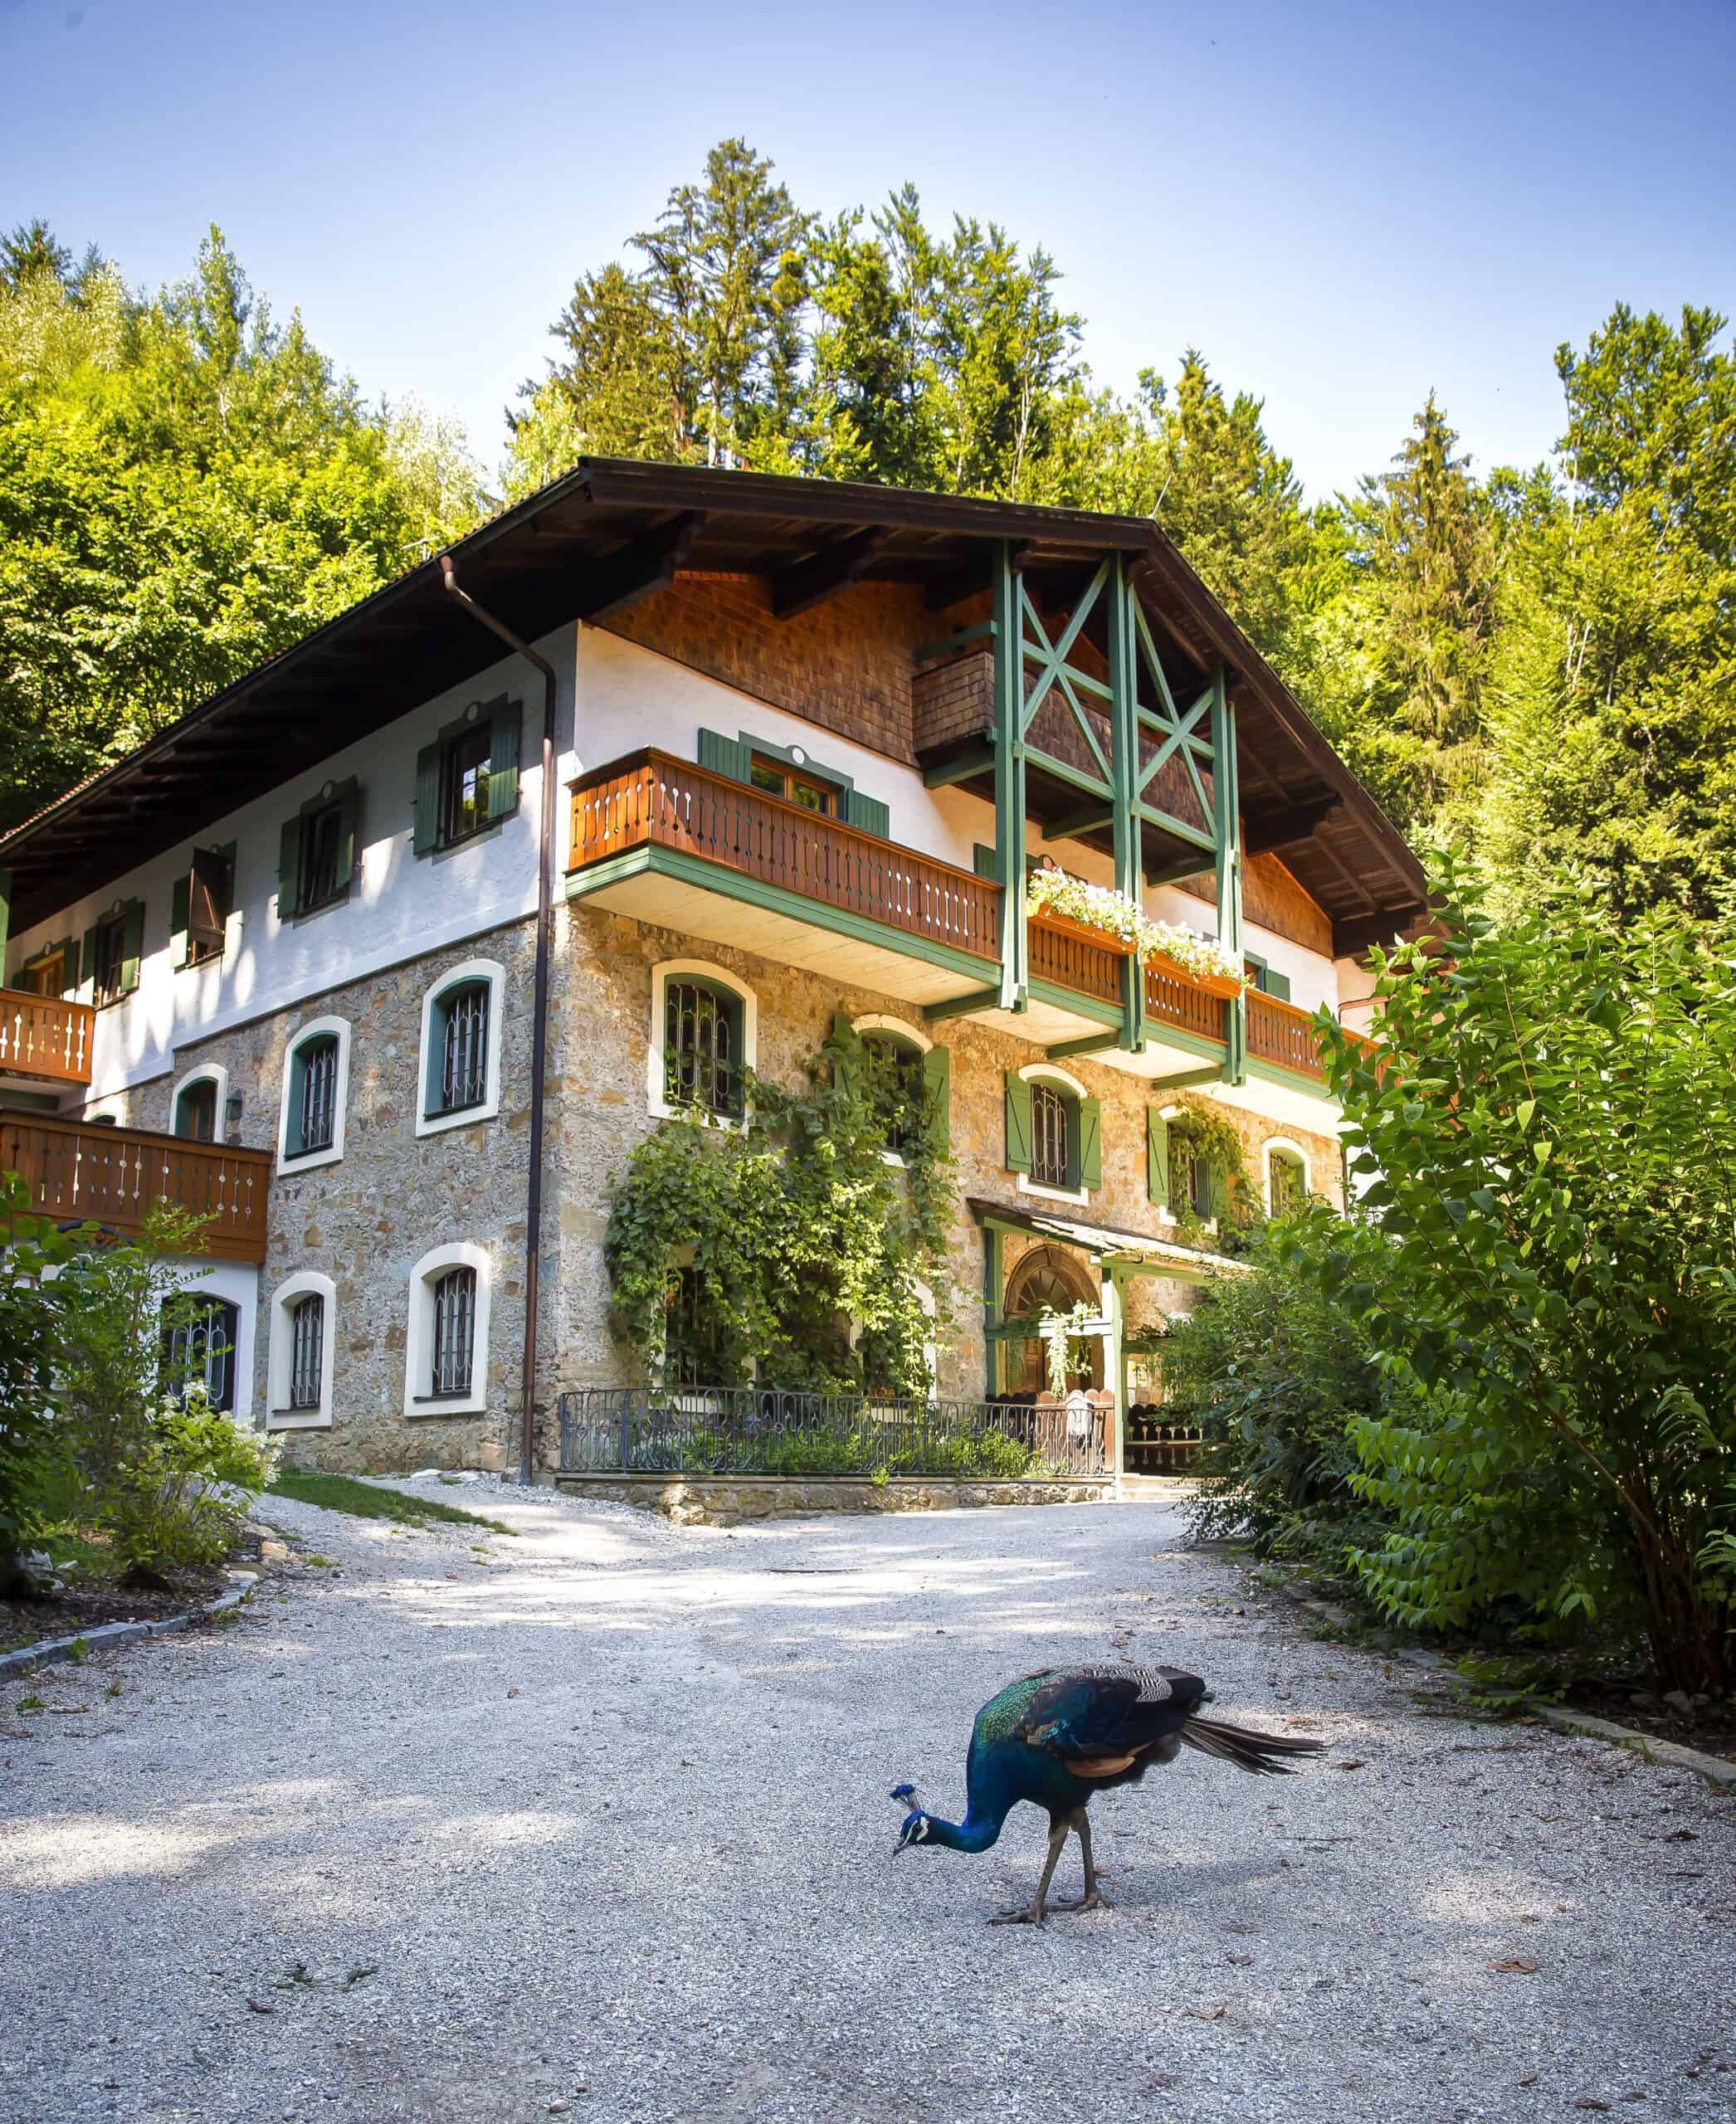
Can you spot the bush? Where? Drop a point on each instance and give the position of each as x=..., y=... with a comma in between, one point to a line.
x=30, y=1304
x=183, y=1494
x=1276, y=1374
x=1548, y=1138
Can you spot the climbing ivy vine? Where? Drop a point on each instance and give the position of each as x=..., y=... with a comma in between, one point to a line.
x=798, y=1228
x=1200, y=1135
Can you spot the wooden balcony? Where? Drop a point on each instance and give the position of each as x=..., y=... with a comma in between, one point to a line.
x=76, y=1170
x=43, y=1038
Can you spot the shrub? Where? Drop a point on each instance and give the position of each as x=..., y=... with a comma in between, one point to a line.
x=30, y=1303
x=183, y=1494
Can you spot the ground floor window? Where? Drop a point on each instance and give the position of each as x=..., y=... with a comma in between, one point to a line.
x=454, y=1333
x=446, y=1357
x=198, y=1350
x=693, y=1349
x=307, y=1351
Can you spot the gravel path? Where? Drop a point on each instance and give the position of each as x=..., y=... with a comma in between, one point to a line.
x=593, y=1822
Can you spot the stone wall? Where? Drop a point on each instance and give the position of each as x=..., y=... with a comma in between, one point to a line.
x=727, y=1500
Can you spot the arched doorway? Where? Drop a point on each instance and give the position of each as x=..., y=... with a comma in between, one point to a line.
x=1048, y=1279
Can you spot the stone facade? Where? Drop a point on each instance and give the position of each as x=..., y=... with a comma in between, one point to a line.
x=726, y=1500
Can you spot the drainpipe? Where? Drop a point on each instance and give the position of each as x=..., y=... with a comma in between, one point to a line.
x=539, y=1014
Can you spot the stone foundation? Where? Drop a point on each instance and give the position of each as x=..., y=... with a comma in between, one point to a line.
x=727, y=1500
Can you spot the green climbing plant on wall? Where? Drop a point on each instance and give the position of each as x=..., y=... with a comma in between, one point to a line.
x=1208, y=1179
x=807, y=1252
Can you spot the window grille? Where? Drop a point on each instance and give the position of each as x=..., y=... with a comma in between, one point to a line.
x=319, y=1060
x=455, y=1329
x=895, y=1089
x=693, y=1345
x=1285, y=1170
x=199, y=1351
x=701, y=1048
x=307, y=1350
x=1051, y=1150
x=463, y=1050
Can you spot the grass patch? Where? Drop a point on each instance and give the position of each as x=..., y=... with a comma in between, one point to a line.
x=344, y=1494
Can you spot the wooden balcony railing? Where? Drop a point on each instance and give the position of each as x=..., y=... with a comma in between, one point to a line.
x=42, y=1036
x=651, y=798
x=75, y=1170
x=1074, y=957
x=1174, y=998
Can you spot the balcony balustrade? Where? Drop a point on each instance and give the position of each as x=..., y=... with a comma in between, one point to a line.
x=44, y=1037
x=78, y=1170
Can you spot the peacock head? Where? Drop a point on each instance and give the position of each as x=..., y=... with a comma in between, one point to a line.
x=916, y=1823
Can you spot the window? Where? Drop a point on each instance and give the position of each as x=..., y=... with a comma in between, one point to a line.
x=298, y=1365
x=702, y=1058
x=204, y=900
x=316, y=854
x=1286, y=1179
x=896, y=1088
x=45, y=976
x=907, y=1079
x=1054, y=1133
x=468, y=777
x=795, y=787
x=315, y=1091
x=1266, y=979
x=693, y=1346
x=446, y=1354
x=196, y=1111
x=786, y=771
x=198, y=1350
x=307, y=1351
x=111, y=952
x=460, y=1047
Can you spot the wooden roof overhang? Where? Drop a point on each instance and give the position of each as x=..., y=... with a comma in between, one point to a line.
x=611, y=532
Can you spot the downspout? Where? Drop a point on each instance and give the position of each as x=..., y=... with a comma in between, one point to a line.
x=539, y=1014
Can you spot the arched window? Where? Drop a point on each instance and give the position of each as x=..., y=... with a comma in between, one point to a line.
x=460, y=1047
x=1286, y=1179
x=446, y=1356
x=196, y=1110
x=693, y=1346
x=1054, y=1133
x=896, y=1087
x=315, y=1091
x=703, y=1027
x=303, y=1348
x=1048, y=1280
x=198, y=1350
x=1053, y=1128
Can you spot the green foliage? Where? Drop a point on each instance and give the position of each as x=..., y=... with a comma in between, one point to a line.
x=987, y=1455
x=182, y=1495
x=797, y=1227
x=185, y=489
x=32, y=1254
x=1547, y=1138
x=1276, y=1373
x=1202, y=1140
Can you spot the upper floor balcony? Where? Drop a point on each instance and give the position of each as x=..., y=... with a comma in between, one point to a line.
x=77, y=1171
x=45, y=1039
x=700, y=854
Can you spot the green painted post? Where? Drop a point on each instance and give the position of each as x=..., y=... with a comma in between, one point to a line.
x=1226, y=832
x=1009, y=741
x=992, y=1258
x=1114, y=1309
x=1124, y=766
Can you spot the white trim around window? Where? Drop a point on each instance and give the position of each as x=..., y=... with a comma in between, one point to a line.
x=305, y=1282
x=1035, y=1072
x=662, y=974
x=420, y=1399
x=213, y=1073
x=1282, y=1143
x=305, y=1161
x=494, y=974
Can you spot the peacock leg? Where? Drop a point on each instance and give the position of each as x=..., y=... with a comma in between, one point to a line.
x=1031, y=1914
x=1094, y=1897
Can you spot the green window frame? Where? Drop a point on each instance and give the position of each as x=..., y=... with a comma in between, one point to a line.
x=195, y=1110
x=459, y=1032
x=113, y=947
x=461, y=792
x=316, y=1086
x=1033, y=1147
x=316, y=852
x=735, y=757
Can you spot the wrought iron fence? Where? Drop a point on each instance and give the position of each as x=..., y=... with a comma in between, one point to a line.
x=754, y=1431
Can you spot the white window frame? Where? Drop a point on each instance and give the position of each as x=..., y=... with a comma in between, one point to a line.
x=1035, y=1072
x=662, y=974
x=1283, y=1143
x=308, y=1160
x=419, y=1342
x=218, y=1075
x=491, y=971
x=900, y=1029
x=305, y=1282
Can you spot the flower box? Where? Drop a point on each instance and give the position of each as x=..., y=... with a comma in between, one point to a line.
x=1105, y=940
x=1209, y=984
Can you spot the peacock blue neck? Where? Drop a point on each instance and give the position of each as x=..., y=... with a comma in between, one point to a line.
x=977, y=1830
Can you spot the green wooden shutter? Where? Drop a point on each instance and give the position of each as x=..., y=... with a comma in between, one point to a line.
x=722, y=755
x=132, y=944
x=982, y=859
x=1217, y=1191
x=87, y=954
x=1157, y=1156
x=292, y=1143
x=503, y=759
x=288, y=868
x=847, y=1058
x=1089, y=1163
x=1277, y=984
x=937, y=1091
x=434, y=1074
x=178, y=917
x=425, y=835
x=1018, y=1124
x=868, y=813
x=68, y=949
x=345, y=797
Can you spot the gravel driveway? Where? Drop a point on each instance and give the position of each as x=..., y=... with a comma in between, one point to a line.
x=593, y=1822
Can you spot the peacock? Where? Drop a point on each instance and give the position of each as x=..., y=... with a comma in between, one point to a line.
x=1057, y=1736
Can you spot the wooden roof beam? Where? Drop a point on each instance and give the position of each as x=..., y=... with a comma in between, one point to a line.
x=822, y=575
x=1350, y=939
x=1265, y=831
x=641, y=569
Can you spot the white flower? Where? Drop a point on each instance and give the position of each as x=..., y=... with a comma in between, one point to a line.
x=1098, y=906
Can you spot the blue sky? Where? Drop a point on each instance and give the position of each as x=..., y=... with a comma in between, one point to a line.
x=1343, y=205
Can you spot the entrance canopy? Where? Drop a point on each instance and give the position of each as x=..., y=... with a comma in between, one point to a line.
x=1131, y=1253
